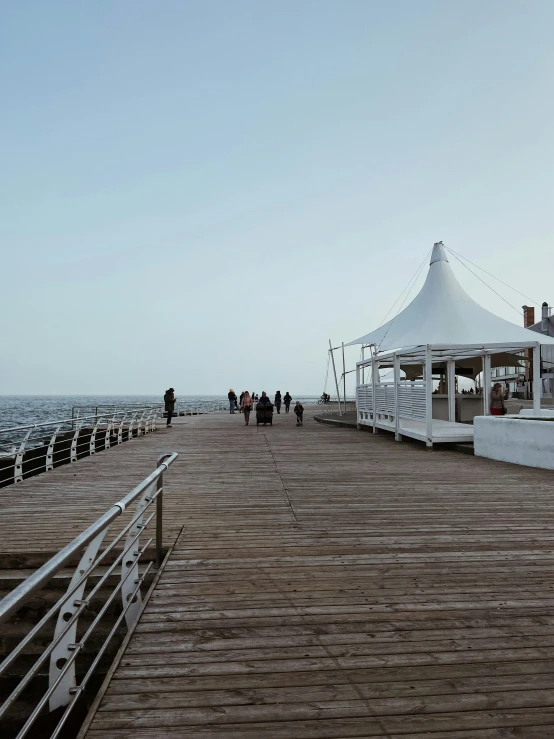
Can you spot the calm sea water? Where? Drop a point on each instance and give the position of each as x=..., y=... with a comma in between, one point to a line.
x=23, y=410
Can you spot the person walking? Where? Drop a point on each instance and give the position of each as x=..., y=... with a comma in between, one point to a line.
x=299, y=410
x=232, y=400
x=498, y=396
x=246, y=404
x=287, y=399
x=169, y=403
x=277, y=401
x=240, y=400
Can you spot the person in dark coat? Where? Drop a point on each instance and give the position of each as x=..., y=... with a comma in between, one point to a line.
x=287, y=399
x=232, y=400
x=264, y=400
x=299, y=410
x=169, y=403
x=277, y=401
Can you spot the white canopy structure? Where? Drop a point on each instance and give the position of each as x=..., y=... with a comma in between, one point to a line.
x=443, y=313
x=443, y=326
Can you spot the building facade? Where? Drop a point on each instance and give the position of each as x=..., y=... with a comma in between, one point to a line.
x=517, y=379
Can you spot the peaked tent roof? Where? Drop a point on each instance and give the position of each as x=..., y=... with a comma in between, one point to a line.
x=443, y=314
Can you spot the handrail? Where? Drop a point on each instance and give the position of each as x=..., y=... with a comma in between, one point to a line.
x=28, y=450
x=38, y=579
x=63, y=650
x=113, y=406
x=46, y=423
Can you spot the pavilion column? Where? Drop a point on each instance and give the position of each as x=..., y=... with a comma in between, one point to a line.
x=486, y=384
x=537, y=384
x=374, y=371
x=397, y=435
x=357, y=395
x=451, y=386
x=429, y=395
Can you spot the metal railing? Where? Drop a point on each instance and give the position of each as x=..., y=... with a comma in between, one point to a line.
x=194, y=409
x=64, y=648
x=332, y=408
x=28, y=450
x=182, y=408
x=110, y=408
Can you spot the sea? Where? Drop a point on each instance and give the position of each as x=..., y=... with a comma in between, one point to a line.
x=25, y=410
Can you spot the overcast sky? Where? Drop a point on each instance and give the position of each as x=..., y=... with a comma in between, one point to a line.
x=201, y=194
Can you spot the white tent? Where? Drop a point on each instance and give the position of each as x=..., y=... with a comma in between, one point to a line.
x=441, y=325
x=443, y=313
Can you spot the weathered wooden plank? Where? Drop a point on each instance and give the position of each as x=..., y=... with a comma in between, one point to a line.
x=326, y=583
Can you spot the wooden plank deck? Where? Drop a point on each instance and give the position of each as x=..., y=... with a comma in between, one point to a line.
x=330, y=583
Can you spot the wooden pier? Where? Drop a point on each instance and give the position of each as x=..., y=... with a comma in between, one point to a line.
x=323, y=582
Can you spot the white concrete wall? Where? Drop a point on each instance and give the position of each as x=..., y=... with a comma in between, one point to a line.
x=529, y=413
x=516, y=440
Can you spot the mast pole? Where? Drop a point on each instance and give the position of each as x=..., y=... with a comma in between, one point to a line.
x=335, y=373
x=343, y=378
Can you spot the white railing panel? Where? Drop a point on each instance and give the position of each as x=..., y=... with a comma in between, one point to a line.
x=411, y=400
x=364, y=398
x=385, y=398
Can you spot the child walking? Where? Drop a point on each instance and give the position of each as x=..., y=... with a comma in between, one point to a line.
x=299, y=410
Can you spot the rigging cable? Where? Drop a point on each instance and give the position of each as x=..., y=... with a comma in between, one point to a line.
x=517, y=310
x=491, y=275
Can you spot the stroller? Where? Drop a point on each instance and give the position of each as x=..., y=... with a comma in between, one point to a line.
x=264, y=414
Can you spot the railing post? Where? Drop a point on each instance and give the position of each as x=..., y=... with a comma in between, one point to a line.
x=107, y=438
x=130, y=563
x=73, y=452
x=50, y=450
x=120, y=429
x=62, y=651
x=130, y=430
x=18, y=467
x=159, y=512
x=92, y=444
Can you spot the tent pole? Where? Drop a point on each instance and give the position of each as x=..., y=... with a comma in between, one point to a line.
x=335, y=373
x=429, y=395
x=486, y=384
x=451, y=385
x=537, y=384
x=343, y=378
x=358, y=368
x=397, y=435
x=374, y=370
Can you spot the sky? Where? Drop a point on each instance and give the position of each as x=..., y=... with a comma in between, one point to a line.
x=202, y=193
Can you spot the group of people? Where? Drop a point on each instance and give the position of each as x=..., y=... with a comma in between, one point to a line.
x=247, y=400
